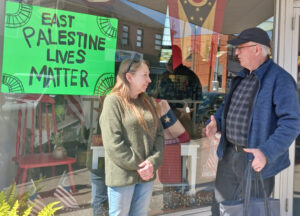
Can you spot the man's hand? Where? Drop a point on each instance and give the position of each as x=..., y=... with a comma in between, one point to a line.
x=146, y=170
x=211, y=129
x=260, y=159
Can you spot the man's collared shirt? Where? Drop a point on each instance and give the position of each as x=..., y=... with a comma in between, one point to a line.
x=237, y=121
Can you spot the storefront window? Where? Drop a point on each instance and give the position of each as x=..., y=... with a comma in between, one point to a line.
x=58, y=60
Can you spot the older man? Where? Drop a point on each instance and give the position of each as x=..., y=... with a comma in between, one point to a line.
x=258, y=121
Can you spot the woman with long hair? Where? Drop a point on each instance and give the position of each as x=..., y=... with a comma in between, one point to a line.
x=133, y=140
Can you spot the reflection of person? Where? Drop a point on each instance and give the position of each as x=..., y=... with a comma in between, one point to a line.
x=99, y=189
x=186, y=84
x=133, y=141
x=99, y=192
x=166, y=86
x=180, y=83
x=97, y=176
x=261, y=117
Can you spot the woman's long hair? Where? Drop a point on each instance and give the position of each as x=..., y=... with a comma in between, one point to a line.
x=122, y=91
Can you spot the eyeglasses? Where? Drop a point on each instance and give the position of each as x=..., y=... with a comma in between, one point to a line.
x=135, y=59
x=241, y=47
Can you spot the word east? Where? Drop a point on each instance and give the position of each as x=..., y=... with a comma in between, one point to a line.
x=58, y=77
x=58, y=20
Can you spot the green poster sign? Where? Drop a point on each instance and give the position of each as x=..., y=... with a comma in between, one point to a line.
x=49, y=51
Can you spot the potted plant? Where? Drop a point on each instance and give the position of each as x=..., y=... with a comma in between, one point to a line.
x=59, y=151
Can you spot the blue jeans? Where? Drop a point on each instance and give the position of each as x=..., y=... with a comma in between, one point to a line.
x=133, y=200
x=99, y=192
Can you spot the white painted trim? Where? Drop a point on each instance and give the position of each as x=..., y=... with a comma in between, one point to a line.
x=275, y=34
x=296, y=3
x=276, y=47
x=294, y=72
x=205, y=211
x=280, y=16
x=295, y=43
x=284, y=57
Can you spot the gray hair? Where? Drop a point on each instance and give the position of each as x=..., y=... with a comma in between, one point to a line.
x=265, y=50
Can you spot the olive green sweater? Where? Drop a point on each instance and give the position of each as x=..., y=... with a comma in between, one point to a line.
x=127, y=144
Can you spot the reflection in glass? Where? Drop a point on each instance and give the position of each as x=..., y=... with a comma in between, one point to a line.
x=186, y=178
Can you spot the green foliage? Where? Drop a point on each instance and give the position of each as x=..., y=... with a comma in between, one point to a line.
x=11, y=196
x=28, y=211
x=60, y=112
x=14, y=209
x=49, y=209
x=13, y=204
x=4, y=206
x=57, y=138
x=7, y=210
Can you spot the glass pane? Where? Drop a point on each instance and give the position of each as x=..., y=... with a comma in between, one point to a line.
x=157, y=36
x=125, y=28
x=32, y=123
x=125, y=35
x=157, y=47
x=157, y=42
x=124, y=41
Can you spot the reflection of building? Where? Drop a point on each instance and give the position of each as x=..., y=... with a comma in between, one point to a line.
x=125, y=54
x=139, y=33
x=143, y=37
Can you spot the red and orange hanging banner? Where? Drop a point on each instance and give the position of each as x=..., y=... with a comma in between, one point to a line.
x=195, y=25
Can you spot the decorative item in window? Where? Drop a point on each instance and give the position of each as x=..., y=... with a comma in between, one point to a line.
x=59, y=152
x=104, y=84
x=18, y=16
x=107, y=27
x=97, y=140
x=13, y=84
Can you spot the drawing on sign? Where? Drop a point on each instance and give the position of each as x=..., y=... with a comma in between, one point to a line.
x=106, y=27
x=104, y=84
x=13, y=84
x=20, y=17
